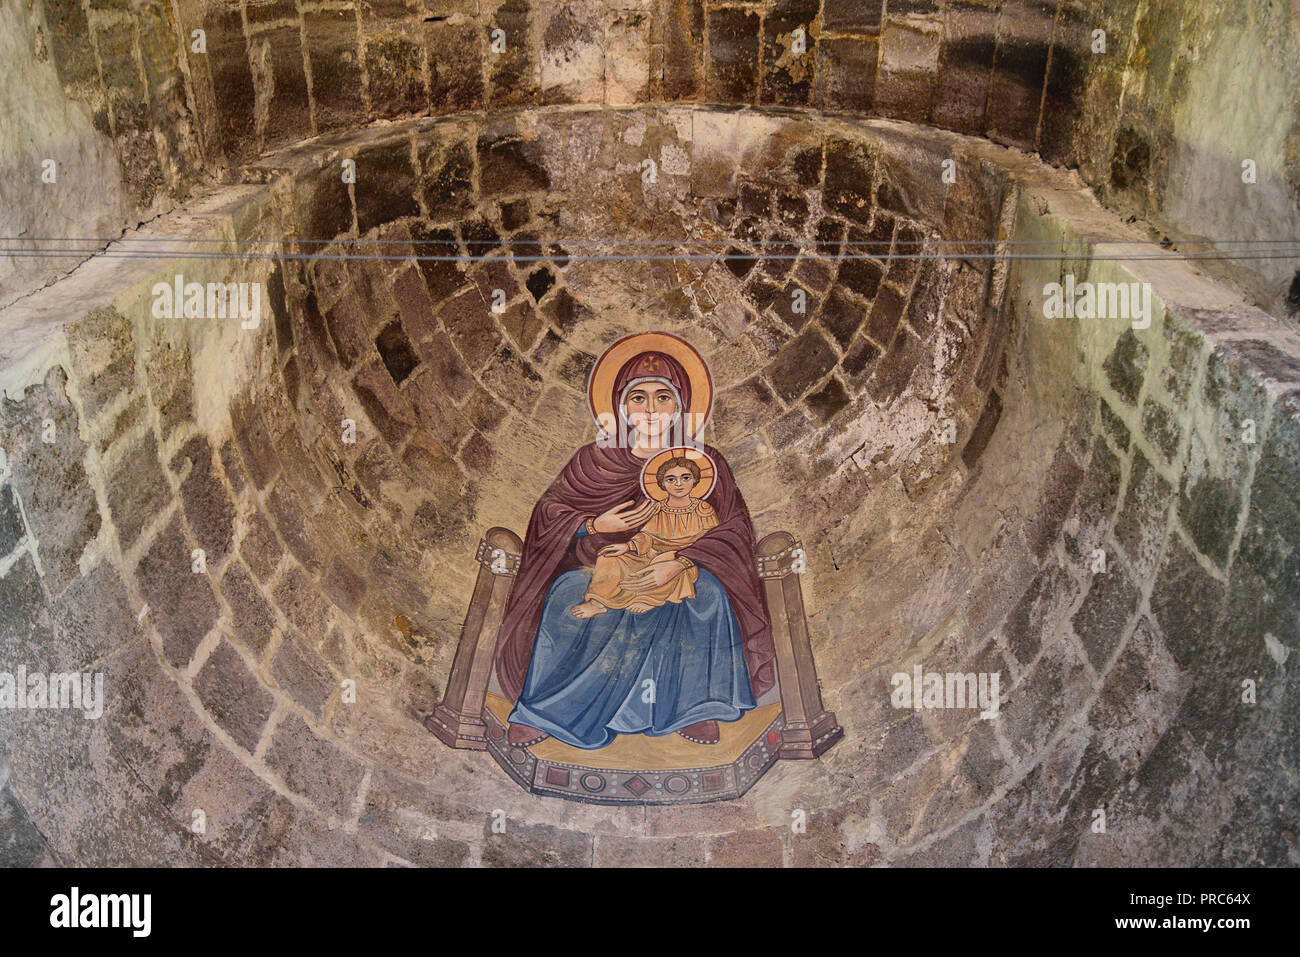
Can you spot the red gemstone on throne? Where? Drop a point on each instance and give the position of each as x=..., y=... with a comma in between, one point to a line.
x=773, y=738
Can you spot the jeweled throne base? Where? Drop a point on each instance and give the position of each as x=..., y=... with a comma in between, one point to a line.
x=789, y=723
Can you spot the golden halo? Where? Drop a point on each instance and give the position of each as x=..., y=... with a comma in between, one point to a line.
x=600, y=384
x=650, y=485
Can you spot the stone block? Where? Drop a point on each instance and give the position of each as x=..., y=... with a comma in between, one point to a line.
x=139, y=492
x=1114, y=426
x=572, y=56
x=288, y=116
x=293, y=519
x=787, y=74
x=756, y=848
x=1020, y=71
x=300, y=673
x=396, y=352
x=385, y=185
x=347, y=324
x=909, y=70
x=302, y=603
x=232, y=83
x=256, y=444
x=510, y=164
x=207, y=503
x=25, y=608
x=965, y=67
x=181, y=603
x=800, y=364
x=332, y=49
x=251, y=618
x=1098, y=495
x=1140, y=526
x=513, y=74
x=448, y=186
x=535, y=845
x=12, y=528
x=886, y=312
x=852, y=16
x=259, y=548
x=395, y=69
x=1064, y=478
x=897, y=367
x=1126, y=366
x=1103, y=618
x=846, y=74
x=324, y=208
x=455, y=66
x=344, y=586
x=850, y=173
x=731, y=74
x=233, y=696
x=1067, y=83
x=440, y=261
x=679, y=27
x=313, y=767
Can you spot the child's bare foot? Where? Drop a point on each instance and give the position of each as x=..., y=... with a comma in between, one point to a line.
x=588, y=609
x=639, y=607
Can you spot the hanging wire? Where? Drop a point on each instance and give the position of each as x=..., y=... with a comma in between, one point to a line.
x=685, y=250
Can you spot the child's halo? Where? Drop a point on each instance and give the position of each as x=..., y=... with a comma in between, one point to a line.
x=649, y=481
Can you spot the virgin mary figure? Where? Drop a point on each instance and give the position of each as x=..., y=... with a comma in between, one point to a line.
x=680, y=667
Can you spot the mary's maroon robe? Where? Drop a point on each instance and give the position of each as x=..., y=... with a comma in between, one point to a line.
x=595, y=480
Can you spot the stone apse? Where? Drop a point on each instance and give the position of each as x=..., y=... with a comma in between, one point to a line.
x=275, y=538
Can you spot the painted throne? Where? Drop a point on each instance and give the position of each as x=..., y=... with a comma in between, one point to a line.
x=789, y=722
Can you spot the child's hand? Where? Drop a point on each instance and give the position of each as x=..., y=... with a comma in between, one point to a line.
x=659, y=572
x=613, y=551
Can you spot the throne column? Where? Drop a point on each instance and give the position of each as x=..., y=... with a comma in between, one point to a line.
x=809, y=728
x=458, y=720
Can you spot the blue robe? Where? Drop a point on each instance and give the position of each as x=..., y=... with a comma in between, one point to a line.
x=624, y=673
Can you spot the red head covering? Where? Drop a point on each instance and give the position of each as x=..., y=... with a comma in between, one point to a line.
x=654, y=365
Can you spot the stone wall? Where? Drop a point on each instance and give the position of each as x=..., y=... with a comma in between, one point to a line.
x=328, y=561
x=1156, y=542
x=1143, y=120
x=61, y=173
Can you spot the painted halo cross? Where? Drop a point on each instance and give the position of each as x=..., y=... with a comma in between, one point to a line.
x=600, y=384
x=650, y=484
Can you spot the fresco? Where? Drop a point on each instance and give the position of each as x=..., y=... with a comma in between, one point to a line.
x=635, y=654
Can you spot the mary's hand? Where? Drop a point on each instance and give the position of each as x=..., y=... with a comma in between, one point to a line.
x=659, y=572
x=622, y=517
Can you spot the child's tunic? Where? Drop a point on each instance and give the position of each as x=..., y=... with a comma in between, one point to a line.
x=667, y=530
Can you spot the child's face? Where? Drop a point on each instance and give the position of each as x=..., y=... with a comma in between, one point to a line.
x=678, y=482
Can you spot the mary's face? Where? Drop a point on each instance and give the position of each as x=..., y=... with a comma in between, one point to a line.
x=650, y=408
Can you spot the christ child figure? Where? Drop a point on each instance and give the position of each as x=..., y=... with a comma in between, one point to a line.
x=677, y=522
